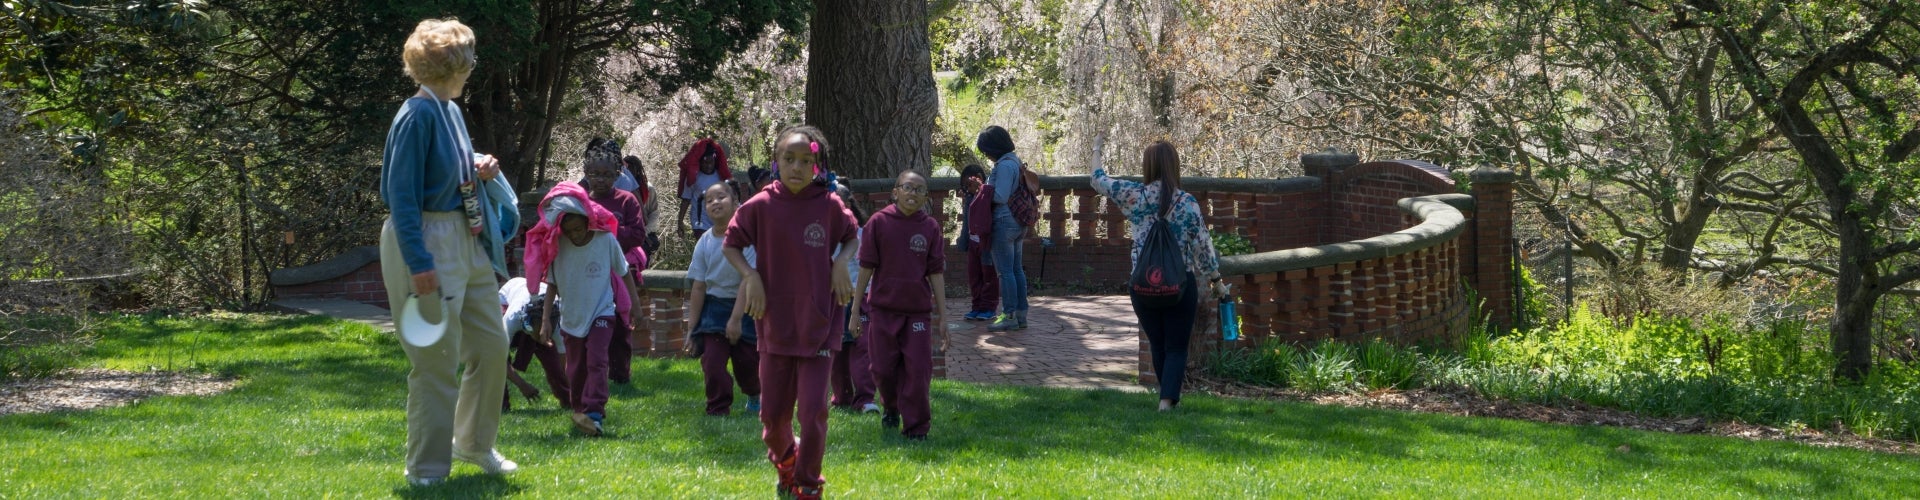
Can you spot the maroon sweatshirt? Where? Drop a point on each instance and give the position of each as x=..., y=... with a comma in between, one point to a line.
x=794, y=235
x=902, y=250
x=977, y=219
x=633, y=223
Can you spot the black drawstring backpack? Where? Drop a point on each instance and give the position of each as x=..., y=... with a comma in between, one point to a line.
x=1160, y=273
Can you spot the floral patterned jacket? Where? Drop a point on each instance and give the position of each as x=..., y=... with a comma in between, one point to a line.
x=1141, y=202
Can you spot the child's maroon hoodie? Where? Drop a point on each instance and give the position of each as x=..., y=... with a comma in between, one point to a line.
x=903, y=250
x=795, y=235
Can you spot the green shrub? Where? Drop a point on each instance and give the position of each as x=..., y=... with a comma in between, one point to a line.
x=1383, y=365
x=1328, y=366
x=1774, y=375
x=1265, y=365
x=1536, y=302
x=1231, y=244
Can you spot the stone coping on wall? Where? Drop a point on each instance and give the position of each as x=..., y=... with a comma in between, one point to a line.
x=1441, y=221
x=664, y=279
x=1060, y=182
x=324, y=270
x=1441, y=217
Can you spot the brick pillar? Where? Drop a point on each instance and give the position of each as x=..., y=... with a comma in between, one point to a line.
x=1365, y=294
x=1086, y=215
x=1056, y=215
x=1492, y=244
x=1268, y=232
x=1340, y=288
x=1258, y=307
x=1326, y=165
x=662, y=332
x=937, y=207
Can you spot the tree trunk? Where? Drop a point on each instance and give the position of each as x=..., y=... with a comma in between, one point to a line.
x=1855, y=295
x=513, y=108
x=1676, y=250
x=870, y=85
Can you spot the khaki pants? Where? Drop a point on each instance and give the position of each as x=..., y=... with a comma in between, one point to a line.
x=446, y=408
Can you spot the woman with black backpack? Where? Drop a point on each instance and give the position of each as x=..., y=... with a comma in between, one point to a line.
x=1172, y=252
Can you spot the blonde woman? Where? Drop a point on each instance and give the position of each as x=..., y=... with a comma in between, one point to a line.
x=438, y=246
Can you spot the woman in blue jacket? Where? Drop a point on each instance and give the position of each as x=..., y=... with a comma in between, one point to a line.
x=1008, y=234
x=442, y=242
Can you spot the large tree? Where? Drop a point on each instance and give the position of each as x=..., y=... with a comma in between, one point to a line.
x=1837, y=77
x=870, y=85
x=1628, y=133
x=243, y=136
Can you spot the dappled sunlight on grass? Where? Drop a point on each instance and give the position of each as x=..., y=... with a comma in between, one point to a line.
x=319, y=405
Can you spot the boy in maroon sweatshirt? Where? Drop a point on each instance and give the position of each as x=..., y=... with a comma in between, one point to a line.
x=795, y=224
x=903, y=257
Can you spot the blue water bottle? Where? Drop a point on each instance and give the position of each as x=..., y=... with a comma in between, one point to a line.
x=1229, y=319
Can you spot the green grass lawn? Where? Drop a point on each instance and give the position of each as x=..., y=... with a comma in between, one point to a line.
x=318, y=412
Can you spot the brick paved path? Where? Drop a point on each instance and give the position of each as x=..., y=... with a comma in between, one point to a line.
x=1086, y=342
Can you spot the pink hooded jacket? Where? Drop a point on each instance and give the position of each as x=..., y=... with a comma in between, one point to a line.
x=543, y=241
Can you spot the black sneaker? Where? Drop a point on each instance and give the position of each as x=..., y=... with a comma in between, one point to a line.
x=922, y=437
x=890, y=421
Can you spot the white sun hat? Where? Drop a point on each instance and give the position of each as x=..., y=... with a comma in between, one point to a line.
x=423, y=326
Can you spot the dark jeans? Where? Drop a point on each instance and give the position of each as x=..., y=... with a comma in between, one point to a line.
x=1168, y=330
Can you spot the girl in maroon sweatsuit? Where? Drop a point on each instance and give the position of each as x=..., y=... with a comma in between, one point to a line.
x=903, y=256
x=795, y=225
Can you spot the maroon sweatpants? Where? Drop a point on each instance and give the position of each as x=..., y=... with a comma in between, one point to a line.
x=853, y=384
x=713, y=364
x=903, y=364
x=526, y=349
x=620, y=351
x=982, y=279
x=587, y=367
x=788, y=380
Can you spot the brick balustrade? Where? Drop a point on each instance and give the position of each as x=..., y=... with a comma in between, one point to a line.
x=1351, y=251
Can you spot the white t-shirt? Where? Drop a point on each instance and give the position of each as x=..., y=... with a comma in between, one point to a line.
x=513, y=302
x=582, y=276
x=710, y=265
x=697, y=211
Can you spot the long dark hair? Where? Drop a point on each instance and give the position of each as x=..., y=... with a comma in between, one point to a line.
x=1161, y=163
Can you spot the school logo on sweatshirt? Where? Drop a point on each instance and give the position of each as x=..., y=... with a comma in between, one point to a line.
x=816, y=235
x=919, y=326
x=918, y=244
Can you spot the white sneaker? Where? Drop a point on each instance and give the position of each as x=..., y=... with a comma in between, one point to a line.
x=870, y=408
x=424, y=482
x=491, y=462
